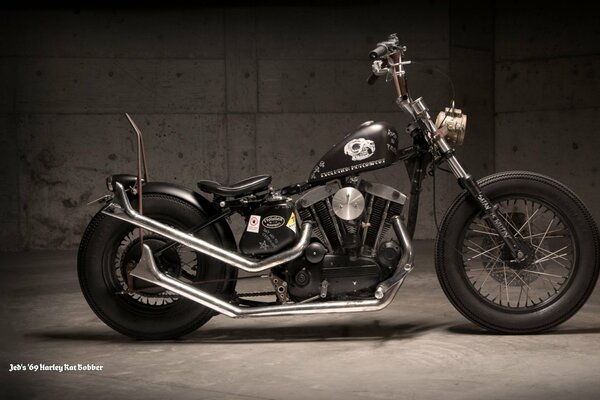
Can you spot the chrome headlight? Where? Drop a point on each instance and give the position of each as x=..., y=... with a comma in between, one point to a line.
x=455, y=122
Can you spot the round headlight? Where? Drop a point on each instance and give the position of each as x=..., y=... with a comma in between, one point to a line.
x=455, y=122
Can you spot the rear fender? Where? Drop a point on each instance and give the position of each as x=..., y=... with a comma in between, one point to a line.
x=198, y=201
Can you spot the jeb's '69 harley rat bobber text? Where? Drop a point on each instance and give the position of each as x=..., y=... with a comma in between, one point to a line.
x=516, y=252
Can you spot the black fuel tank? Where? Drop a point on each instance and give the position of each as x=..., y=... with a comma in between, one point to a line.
x=374, y=145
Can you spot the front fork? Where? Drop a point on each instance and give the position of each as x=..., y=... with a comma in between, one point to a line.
x=518, y=250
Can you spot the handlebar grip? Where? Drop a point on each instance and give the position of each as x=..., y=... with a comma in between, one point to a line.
x=378, y=52
x=371, y=80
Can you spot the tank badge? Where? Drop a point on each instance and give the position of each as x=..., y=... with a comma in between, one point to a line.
x=273, y=222
x=359, y=149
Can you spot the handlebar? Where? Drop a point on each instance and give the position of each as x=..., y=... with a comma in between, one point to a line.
x=387, y=60
x=378, y=52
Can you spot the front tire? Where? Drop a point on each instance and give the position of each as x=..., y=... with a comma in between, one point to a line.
x=110, y=247
x=471, y=258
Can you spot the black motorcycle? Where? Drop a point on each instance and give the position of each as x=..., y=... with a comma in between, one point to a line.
x=516, y=252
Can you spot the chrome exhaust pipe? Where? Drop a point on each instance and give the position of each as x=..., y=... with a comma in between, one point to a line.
x=148, y=271
x=128, y=214
x=406, y=261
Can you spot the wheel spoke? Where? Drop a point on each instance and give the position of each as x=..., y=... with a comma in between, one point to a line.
x=485, y=233
x=548, y=236
x=526, y=292
x=538, y=226
x=488, y=275
x=506, y=285
x=526, y=222
x=544, y=237
x=181, y=259
x=478, y=254
x=552, y=255
x=555, y=258
x=484, y=226
x=543, y=273
x=540, y=268
x=510, y=224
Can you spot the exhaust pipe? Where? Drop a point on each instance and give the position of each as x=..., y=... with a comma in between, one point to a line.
x=128, y=214
x=406, y=261
x=148, y=271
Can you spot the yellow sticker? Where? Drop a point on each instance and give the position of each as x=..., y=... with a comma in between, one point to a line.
x=292, y=222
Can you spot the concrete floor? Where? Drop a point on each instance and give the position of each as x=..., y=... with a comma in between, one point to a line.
x=418, y=348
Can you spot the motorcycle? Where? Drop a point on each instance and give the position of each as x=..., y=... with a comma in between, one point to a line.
x=516, y=252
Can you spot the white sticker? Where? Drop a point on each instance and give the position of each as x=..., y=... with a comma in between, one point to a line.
x=359, y=149
x=253, y=223
x=292, y=222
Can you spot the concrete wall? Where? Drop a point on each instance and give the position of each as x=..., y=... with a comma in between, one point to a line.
x=547, y=85
x=219, y=93
x=224, y=93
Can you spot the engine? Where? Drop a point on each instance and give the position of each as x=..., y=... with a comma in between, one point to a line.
x=349, y=253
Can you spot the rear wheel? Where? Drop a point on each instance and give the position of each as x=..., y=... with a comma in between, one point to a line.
x=473, y=266
x=110, y=249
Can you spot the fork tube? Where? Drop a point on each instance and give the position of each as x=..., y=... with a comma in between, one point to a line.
x=416, y=180
x=489, y=209
x=455, y=166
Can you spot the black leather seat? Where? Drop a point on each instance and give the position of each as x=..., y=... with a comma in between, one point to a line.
x=243, y=187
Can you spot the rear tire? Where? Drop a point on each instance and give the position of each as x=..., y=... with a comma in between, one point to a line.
x=537, y=297
x=110, y=246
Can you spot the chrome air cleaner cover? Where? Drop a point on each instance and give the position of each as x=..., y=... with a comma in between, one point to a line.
x=348, y=203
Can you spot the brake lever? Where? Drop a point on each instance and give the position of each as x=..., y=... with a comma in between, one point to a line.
x=378, y=68
x=372, y=79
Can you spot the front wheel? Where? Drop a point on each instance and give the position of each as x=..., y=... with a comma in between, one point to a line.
x=472, y=261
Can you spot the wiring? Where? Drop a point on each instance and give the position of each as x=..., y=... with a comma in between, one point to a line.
x=432, y=167
x=437, y=69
